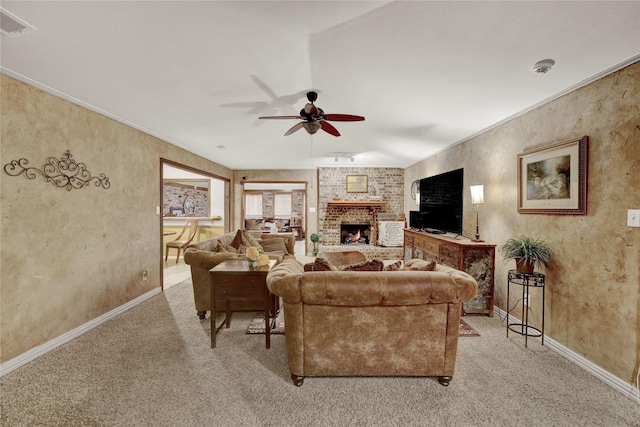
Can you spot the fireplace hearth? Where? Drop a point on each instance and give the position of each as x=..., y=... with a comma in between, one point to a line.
x=354, y=234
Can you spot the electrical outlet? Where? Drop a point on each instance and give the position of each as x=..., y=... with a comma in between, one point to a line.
x=633, y=218
x=527, y=300
x=145, y=275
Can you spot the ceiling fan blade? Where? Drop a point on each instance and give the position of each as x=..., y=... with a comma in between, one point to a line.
x=343, y=117
x=280, y=117
x=327, y=127
x=262, y=85
x=295, y=128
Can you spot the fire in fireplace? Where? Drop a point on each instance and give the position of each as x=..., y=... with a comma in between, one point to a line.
x=354, y=234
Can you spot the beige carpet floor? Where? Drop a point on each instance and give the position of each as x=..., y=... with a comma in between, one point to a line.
x=152, y=366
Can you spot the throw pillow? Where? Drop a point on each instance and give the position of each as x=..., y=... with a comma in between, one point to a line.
x=244, y=238
x=216, y=247
x=420, y=265
x=274, y=245
x=393, y=267
x=368, y=265
x=237, y=240
x=249, y=240
x=321, y=264
x=224, y=247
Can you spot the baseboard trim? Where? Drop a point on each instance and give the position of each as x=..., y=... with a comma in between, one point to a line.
x=608, y=378
x=38, y=351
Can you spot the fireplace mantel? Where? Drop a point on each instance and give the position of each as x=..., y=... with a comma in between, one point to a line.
x=357, y=204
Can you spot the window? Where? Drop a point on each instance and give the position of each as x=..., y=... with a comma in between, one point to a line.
x=282, y=205
x=253, y=205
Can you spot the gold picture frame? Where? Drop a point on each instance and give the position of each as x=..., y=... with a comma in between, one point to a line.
x=552, y=179
x=357, y=184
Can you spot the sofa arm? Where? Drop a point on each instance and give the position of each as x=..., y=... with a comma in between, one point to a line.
x=283, y=280
x=207, y=259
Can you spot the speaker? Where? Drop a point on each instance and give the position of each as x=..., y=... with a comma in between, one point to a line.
x=415, y=220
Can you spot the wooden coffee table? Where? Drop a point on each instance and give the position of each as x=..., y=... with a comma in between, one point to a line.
x=234, y=280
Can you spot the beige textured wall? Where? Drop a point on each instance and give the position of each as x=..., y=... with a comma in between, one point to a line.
x=593, y=292
x=67, y=257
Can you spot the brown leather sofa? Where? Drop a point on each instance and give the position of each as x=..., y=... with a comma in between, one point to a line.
x=202, y=258
x=366, y=323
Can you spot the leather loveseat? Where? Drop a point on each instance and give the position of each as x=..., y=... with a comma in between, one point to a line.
x=371, y=323
x=203, y=256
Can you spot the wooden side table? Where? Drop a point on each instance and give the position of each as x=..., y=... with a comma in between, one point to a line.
x=234, y=280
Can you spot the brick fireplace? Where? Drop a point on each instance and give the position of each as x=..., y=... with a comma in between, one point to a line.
x=335, y=217
x=384, y=184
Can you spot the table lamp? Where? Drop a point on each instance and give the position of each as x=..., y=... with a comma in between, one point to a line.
x=477, y=198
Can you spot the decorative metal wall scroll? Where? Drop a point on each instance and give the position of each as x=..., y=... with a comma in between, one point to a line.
x=63, y=173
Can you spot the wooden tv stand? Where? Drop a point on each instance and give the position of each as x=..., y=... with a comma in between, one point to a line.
x=475, y=258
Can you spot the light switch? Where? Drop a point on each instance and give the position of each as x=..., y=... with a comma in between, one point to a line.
x=633, y=218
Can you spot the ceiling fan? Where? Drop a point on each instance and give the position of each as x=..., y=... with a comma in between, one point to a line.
x=313, y=118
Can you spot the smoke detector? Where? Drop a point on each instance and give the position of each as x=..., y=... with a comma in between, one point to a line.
x=11, y=25
x=543, y=66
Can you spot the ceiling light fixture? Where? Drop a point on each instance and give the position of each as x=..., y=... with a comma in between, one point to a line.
x=339, y=155
x=543, y=66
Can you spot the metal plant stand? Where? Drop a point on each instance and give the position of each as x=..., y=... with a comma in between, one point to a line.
x=536, y=280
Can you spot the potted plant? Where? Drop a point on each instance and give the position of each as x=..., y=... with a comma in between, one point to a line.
x=527, y=251
x=315, y=238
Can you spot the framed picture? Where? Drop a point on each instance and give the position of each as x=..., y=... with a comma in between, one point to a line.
x=553, y=179
x=357, y=184
x=175, y=211
x=189, y=205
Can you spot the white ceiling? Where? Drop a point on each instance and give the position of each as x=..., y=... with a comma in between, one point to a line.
x=425, y=74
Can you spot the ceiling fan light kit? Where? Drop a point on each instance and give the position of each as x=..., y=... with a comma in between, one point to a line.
x=313, y=118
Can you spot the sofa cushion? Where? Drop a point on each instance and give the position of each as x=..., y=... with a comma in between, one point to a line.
x=321, y=264
x=369, y=265
x=393, y=267
x=343, y=257
x=274, y=245
x=419, y=265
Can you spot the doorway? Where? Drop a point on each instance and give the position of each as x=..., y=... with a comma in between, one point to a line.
x=276, y=207
x=189, y=195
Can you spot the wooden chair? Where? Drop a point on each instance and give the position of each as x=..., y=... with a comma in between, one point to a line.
x=192, y=226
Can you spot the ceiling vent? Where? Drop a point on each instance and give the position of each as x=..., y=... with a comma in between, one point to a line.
x=11, y=25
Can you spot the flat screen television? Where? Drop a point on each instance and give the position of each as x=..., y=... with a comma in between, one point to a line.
x=441, y=202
